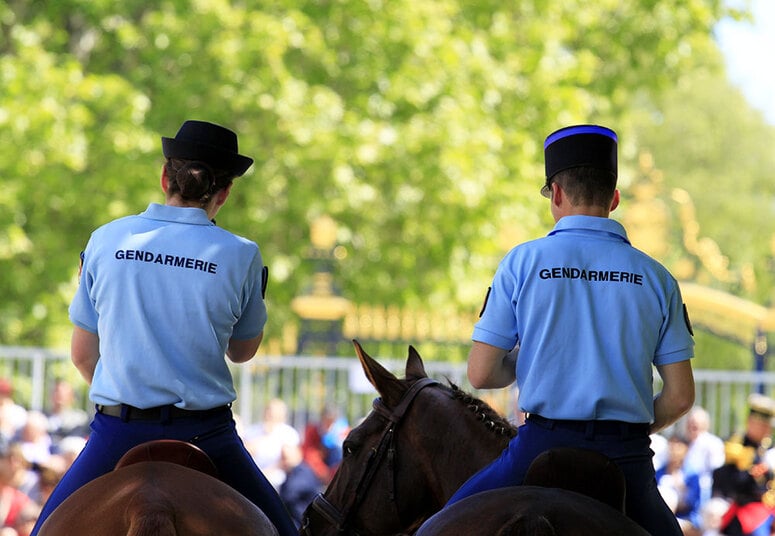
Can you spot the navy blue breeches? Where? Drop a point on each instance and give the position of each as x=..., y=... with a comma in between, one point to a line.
x=628, y=445
x=111, y=437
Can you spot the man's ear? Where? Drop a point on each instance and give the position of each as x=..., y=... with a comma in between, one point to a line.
x=615, y=200
x=557, y=194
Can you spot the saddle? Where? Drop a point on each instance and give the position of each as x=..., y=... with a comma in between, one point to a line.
x=172, y=451
x=583, y=471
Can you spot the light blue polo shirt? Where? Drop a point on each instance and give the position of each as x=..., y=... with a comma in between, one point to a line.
x=165, y=290
x=591, y=315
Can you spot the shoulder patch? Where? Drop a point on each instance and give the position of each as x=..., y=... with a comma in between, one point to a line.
x=484, y=305
x=688, y=322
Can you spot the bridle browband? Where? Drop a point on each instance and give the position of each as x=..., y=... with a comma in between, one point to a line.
x=385, y=447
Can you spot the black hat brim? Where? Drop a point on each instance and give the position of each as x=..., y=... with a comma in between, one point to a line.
x=218, y=158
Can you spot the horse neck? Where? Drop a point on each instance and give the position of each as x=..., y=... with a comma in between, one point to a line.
x=471, y=447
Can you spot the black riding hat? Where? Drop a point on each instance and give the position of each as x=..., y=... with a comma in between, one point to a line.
x=209, y=143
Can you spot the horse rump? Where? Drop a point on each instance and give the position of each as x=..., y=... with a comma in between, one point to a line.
x=530, y=511
x=151, y=520
x=522, y=524
x=155, y=498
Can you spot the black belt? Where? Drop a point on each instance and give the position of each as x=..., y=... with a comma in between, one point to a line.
x=159, y=413
x=602, y=428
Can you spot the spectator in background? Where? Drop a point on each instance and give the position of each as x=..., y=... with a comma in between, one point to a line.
x=34, y=438
x=322, y=446
x=49, y=478
x=301, y=483
x=659, y=446
x=713, y=516
x=21, y=474
x=680, y=489
x=49, y=474
x=12, y=501
x=26, y=519
x=64, y=418
x=12, y=415
x=265, y=440
x=67, y=450
x=745, y=477
x=706, y=451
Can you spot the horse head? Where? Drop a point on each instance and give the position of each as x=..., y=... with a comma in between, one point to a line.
x=408, y=456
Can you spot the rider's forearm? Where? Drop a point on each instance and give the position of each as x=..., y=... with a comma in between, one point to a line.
x=490, y=367
x=676, y=397
x=85, y=352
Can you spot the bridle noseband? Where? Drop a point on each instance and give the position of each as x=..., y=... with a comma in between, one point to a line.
x=385, y=447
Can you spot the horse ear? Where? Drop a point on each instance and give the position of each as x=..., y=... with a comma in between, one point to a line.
x=390, y=388
x=414, y=365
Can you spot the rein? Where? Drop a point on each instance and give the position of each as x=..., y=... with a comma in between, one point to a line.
x=385, y=447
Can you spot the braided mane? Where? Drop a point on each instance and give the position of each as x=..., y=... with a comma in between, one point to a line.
x=484, y=412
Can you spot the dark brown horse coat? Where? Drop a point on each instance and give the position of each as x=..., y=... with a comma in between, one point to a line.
x=530, y=511
x=408, y=457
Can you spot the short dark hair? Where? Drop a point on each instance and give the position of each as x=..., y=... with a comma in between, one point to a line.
x=586, y=185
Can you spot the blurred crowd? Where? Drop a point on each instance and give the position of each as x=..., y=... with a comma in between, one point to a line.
x=37, y=448
x=718, y=486
x=715, y=486
x=299, y=465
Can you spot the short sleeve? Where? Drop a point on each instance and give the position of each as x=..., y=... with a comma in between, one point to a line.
x=251, y=322
x=82, y=311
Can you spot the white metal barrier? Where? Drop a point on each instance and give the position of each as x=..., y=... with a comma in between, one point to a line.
x=308, y=384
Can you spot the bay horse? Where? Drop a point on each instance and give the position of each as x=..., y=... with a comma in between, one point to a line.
x=160, y=488
x=530, y=511
x=420, y=443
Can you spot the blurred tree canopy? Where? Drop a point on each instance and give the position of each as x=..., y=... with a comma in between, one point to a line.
x=416, y=125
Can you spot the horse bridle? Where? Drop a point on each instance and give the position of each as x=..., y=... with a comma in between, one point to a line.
x=385, y=447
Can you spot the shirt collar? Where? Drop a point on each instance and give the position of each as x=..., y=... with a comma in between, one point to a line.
x=592, y=224
x=190, y=215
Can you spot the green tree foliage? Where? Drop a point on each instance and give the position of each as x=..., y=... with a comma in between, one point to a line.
x=70, y=139
x=726, y=164
x=417, y=125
